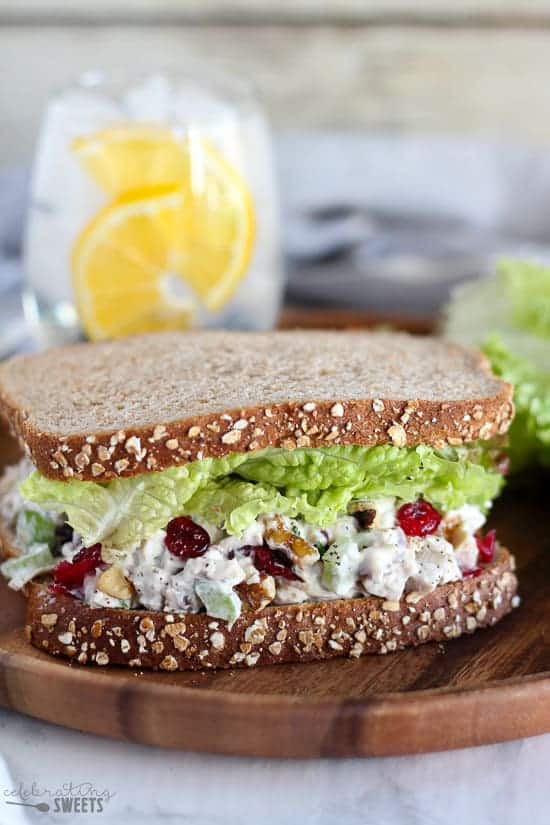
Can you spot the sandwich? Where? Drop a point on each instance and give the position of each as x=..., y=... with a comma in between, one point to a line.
x=218, y=499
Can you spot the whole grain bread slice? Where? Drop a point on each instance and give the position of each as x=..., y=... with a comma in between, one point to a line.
x=64, y=626
x=98, y=411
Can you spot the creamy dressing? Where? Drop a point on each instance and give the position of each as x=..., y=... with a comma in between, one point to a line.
x=380, y=561
x=388, y=562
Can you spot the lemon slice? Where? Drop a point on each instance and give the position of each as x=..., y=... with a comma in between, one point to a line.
x=132, y=156
x=215, y=230
x=212, y=231
x=121, y=262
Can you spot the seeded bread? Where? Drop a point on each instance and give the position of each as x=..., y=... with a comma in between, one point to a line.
x=98, y=411
x=66, y=627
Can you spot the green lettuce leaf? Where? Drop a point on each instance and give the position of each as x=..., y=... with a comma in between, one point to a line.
x=514, y=303
x=508, y=316
x=125, y=511
x=527, y=288
x=530, y=431
x=234, y=504
x=20, y=570
x=317, y=485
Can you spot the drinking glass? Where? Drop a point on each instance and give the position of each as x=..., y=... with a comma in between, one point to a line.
x=153, y=206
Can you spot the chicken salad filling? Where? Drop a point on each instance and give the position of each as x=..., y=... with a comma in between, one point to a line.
x=384, y=546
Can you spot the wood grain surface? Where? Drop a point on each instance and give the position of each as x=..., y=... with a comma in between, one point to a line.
x=489, y=687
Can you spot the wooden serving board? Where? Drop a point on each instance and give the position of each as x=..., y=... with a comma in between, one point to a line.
x=489, y=687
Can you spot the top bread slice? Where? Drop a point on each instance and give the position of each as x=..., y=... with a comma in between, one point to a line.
x=116, y=409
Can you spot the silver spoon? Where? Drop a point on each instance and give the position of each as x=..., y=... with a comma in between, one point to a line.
x=43, y=807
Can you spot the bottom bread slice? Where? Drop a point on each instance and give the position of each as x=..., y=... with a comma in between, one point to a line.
x=64, y=626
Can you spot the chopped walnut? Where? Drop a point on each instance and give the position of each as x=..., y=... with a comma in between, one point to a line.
x=259, y=595
x=297, y=547
x=113, y=583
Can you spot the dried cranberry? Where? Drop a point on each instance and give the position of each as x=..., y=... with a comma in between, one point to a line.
x=486, y=546
x=269, y=561
x=186, y=539
x=418, y=518
x=59, y=589
x=71, y=574
x=472, y=574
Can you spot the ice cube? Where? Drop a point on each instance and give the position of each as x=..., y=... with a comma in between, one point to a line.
x=150, y=100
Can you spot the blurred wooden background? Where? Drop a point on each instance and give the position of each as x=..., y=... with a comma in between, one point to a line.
x=435, y=65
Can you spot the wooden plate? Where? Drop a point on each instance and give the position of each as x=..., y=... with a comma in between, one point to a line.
x=489, y=687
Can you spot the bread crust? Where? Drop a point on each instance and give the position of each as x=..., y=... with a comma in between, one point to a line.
x=63, y=626
x=129, y=452
x=289, y=424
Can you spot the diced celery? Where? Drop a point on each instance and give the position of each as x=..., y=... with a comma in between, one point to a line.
x=219, y=599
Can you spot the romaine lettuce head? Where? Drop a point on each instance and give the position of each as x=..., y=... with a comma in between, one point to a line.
x=316, y=484
x=527, y=288
x=514, y=303
x=508, y=316
x=529, y=435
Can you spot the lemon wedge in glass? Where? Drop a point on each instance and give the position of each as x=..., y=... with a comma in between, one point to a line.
x=180, y=212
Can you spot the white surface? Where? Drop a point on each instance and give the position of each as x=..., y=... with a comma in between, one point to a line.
x=500, y=785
